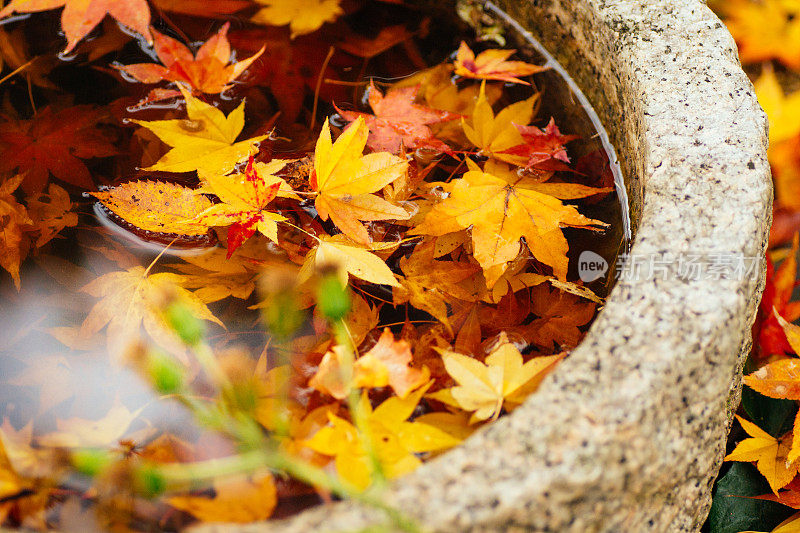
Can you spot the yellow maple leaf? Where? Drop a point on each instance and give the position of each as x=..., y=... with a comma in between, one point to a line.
x=345, y=180
x=494, y=134
x=13, y=216
x=51, y=212
x=784, y=159
x=394, y=439
x=80, y=432
x=502, y=207
x=302, y=16
x=132, y=298
x=764, y=29
x=348, y=258
x=782, y=110
x=237, y=499
x=206, y=141
x=157, y=206
x=503, y=381
x=769, y=454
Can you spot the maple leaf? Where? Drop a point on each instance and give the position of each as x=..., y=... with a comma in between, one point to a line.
x=81, y=16
x=27, y=477
x=495, y=134
x=764, y=30
x=208, y=71
x=492, y=65
x=302, y=16
x=781, y=110
x=429, y=285
x=348, y=258
x=560, y=314
x=345, y=179
x=544, y=148
x=50, y=213
x=54, y=142
x=215, y=276
x=132, y=297
x=399, y=121
x=206, y=141
x=386, y=363
x=83, y=433
x=244, y=199
x=776, y=302
x=13, y=218
x=769, y=454
x=502, y=207
x=238, y=499
x=502, y=382
x=394, y=439
x=157, y=206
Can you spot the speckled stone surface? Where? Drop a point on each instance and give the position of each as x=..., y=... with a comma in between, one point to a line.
x=628, y=433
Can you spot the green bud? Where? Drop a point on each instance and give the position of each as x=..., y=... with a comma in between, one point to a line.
x=149, y=482
x=282, y=314
x=333, y=301
x=189, y=328
x=166, y=374
x=90, y=462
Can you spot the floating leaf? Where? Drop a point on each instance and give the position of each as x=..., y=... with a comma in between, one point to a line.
x=157, y=206
x=206, y=141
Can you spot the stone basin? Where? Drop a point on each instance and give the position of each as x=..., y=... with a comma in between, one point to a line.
x=628, y=433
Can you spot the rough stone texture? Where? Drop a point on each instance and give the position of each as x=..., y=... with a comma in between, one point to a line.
x=628, y=433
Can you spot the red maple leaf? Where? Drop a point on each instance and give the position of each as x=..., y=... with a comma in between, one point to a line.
x=780, y=283
x=53, y=142
x=544, y=148
x=208, y=71
x=398, y=120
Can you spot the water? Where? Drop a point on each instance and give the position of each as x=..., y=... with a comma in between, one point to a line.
x=52, y=371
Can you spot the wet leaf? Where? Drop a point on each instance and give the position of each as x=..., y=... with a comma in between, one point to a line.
x=302, y=16
x=81, y=16
x=345, y=180
x=492, y=65
x=501, y=207
x=207, y=71
x=206, y=141
x=54, y=142
x=399, y=121
x=156, y=206
x=502, y=382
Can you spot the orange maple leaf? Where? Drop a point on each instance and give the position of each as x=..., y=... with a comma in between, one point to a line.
x=208, y=71
x=398, y=120
x=386, y=363
x=560, y=315
x=53, y=142
x=492, y=65
x=13, y=218
x=81, y=16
